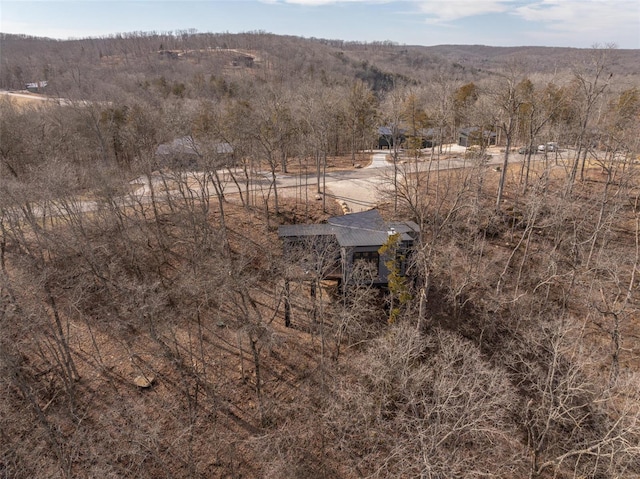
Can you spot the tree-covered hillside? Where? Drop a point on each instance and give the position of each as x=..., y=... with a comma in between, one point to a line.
x=151, y=325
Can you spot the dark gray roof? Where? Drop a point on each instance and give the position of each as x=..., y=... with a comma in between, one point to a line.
x=368, y=220
x=356, y=229
x=473, y=129
x=360, y=229
x=292, y=231
x=390, y=131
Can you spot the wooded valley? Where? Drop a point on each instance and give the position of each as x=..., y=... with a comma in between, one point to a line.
x=150, y=325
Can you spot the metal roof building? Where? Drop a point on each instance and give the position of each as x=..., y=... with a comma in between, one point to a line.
x=356, y=236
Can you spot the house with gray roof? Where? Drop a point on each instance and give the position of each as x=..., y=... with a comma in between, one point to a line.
x=421, y=138
x=390, y=135
x=474, y=136
x=185, y=152
x=346, y=248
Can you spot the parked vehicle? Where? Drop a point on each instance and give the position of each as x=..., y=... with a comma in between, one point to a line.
x=551, y=146
x=527, y=149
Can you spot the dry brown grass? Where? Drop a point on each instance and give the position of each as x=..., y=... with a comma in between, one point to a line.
x=24, y=99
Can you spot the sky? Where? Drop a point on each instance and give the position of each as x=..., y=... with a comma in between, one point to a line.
x=559, y=23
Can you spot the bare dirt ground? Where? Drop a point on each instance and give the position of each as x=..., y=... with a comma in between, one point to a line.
x=25, y=98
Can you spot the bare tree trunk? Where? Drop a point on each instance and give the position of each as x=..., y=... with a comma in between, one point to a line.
x=503, y=173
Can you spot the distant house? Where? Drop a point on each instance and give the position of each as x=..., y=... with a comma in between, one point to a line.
x=36, y=87
x=388, y=136
x=427, y=137
x=185, y=152
x=474, y=136
x=346, y=248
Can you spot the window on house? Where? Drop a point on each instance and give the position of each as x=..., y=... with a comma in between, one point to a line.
x=366, y=263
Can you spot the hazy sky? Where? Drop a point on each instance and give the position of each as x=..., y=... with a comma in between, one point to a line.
x=564, y=23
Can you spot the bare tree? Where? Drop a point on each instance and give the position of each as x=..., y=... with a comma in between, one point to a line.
x=507, y=96
x=591, y=79
x=421, y=401
x=360, y=117
x=562, y=410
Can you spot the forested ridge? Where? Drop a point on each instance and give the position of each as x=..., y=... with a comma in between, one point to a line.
x=143, y=294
